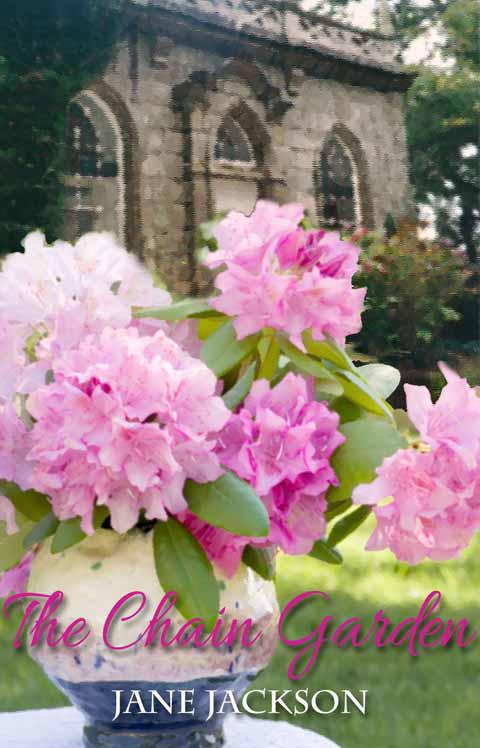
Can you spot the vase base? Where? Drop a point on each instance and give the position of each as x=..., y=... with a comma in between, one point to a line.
x=95, y=736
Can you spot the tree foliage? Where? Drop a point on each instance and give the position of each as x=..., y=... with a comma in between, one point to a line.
x=462, y=21
x=411, y=18
x=442, y=121
x=49, y=50
x=442, y=125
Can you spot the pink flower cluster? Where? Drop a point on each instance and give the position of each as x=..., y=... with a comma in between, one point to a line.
x=280, y=442
x=282, y=276
x=434, y=491
x=12, y=361
x=14, y=447
x=51, y=298
x=59, y=294
x=15, y=579
x=222, y=548
x=97, y=408
x=127, y=419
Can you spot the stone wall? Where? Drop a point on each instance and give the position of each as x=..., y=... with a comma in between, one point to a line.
x=176, y=94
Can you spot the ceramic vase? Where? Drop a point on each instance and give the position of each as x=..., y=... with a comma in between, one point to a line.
x=164, y=694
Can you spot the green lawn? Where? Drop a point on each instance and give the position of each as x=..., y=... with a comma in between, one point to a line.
x=427, y=702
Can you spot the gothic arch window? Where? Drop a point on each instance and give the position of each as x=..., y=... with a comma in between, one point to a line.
x=236, y=161
x=339, y=185
x=95, y=185
x=232, y=144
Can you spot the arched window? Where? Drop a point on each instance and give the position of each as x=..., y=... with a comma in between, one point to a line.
x=232, y=143
x=234, y=168
x=338, y=185
x=95, y=190
x=83, y=148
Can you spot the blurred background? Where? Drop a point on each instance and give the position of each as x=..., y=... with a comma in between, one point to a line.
x=148, y=119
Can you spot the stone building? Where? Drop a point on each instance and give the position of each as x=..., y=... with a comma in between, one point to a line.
x=211, y=104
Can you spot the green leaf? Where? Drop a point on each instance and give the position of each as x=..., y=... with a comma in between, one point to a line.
x=355, y=355
x=347, y=525
x=305, y=363
x=282, y=373
x=32, y=341
x=326, y=389
x=222, y=351
x=240, y=390
x=42, y=530
x=205, y=236
x=228, y=503
x=347, y=410
x=178, y=311
x=322, y=552
x=261, y=560
x=338, y=508
x=368, y=441
x=404, y=424
x=182, y=566
x=269, y=349
x=31, y=504
x=328, y=350
x=69, y=532
x=205, y=327
x=382, y=379
x=360, y=393
x=11, y=546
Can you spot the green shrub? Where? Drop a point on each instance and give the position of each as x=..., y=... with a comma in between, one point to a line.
x=415, y=291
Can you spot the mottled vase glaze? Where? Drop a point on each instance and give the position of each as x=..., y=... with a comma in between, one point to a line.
x=94, y=575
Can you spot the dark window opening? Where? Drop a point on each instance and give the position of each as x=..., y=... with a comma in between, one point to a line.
x=85, y=156
x=337, y=185
x=232, y=143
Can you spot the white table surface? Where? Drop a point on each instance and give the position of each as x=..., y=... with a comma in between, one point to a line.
x=62, y=728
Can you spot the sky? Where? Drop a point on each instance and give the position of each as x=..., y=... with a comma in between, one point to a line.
x=424, y=48
x=360, y=14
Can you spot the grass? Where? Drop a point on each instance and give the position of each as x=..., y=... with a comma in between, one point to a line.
x=426, y=702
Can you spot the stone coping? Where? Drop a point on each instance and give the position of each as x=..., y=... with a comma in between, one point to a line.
x=285, y=23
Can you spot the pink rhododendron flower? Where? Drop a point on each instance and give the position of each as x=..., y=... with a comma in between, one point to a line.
x=7, y=515
x=15, y=579
x=185, y=333
x=453, y=421
x=127, y=419
x=17, y=375
x=64, y=292
x=239, y=236
x=286, y=277
x=432, y=507
x=435, y=507
x=14, y=447
x=12, y=360
x=222, y=548
x=281, y=442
